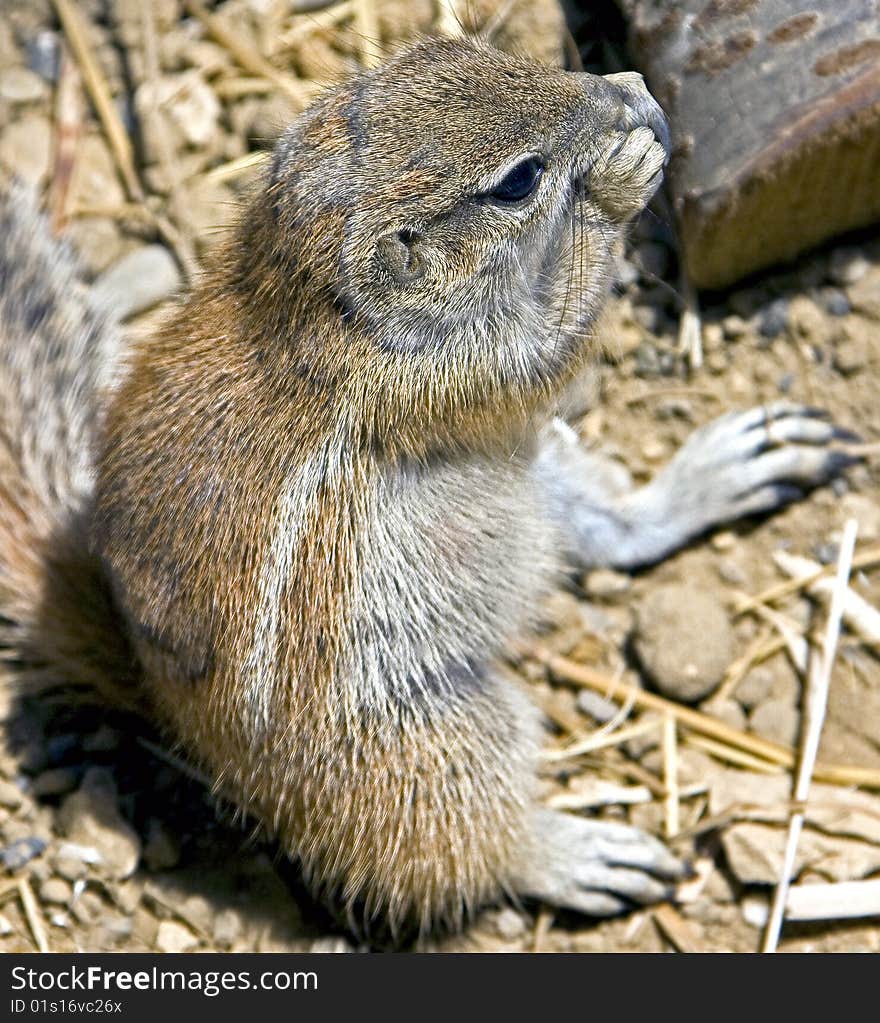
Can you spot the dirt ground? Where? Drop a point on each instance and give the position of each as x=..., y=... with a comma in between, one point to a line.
x=109, y=841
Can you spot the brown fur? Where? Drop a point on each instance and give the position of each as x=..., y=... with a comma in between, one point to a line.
x=314, y=502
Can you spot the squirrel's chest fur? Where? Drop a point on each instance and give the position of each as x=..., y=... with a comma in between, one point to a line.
x=285, y=577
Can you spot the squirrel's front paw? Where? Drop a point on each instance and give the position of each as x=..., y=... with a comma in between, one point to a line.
x=595, y=867
x=748, y=463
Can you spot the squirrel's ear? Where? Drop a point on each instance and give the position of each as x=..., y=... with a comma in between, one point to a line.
x=400, y=254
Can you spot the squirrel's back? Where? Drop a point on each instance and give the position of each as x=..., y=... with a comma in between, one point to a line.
x=58, y=351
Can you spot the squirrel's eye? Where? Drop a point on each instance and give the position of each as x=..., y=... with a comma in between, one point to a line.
x=520, y=182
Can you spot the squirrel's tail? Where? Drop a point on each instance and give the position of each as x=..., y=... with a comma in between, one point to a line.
x=58, y=351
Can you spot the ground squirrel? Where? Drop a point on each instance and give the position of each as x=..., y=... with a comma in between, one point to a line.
x=331, y=489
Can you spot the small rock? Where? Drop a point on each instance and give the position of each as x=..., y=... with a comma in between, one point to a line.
x=606, y=584
x=755, y=687
x=5, y=926
x=728, y=711
x=174, y=937
x=734, y=327
x=97, y=241
x=44, y=54
x=649, y=317
x=55, y=891
x=26, y=149
x=191, y=103
x=755, y=910
x=864, y=510
x=162, y=850
x=723, y=541
x=90, y=817
x=10, y=795
x=71, y=868
x=15, y=855
x=336, y=945
x=54, y=782
x=732, y=573
x=864, y=295
x=653, y=450
x=684, y=640
x=227, y=928
x=716, y=363
x=507, y=923
x=777, y=720
x=847, y=266
x=138, y=281
x=18, y=85
x=95, y=180
x=835, y=301
x=849, y=357
x=805, y=319
x=774, y=318
x=713, y=337
x=595, y=706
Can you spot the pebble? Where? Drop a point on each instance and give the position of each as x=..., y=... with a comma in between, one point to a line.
x=606, y=584
x=755, y=909
x=734, y=327
x=97, y=241
x=776, y=719
x=141, y=279
x=835, y=301
x=191, y=103
x=44, y=54
x=805, y=319
x=90, y=817
x=508, y=924
x=865, y=511
x=774, y=318
x=55, y=891
x=684, y=640
x=653, y=450
x=26, y=149
x=19, y=85
x=174, y=937
x=716, y=363
x=336, y=945
x=852, y=351
x=713, y=337
x=728, y=711
x=755, y=687
x=20, y=852
x=647, y=360
x=227, y=928
x=71, y=868
x=723, y=541
x=10, y=795
x=595, y=706
x=95, y=181
x=864, y=295
x=731, y=573
x=847, y=266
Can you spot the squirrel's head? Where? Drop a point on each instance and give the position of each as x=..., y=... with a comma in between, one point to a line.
x=464, y=204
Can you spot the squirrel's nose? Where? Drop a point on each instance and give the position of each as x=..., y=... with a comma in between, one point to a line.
x=640, y=107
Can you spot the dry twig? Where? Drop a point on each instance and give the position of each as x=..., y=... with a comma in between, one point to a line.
x=815, y=702
x=704, y=724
